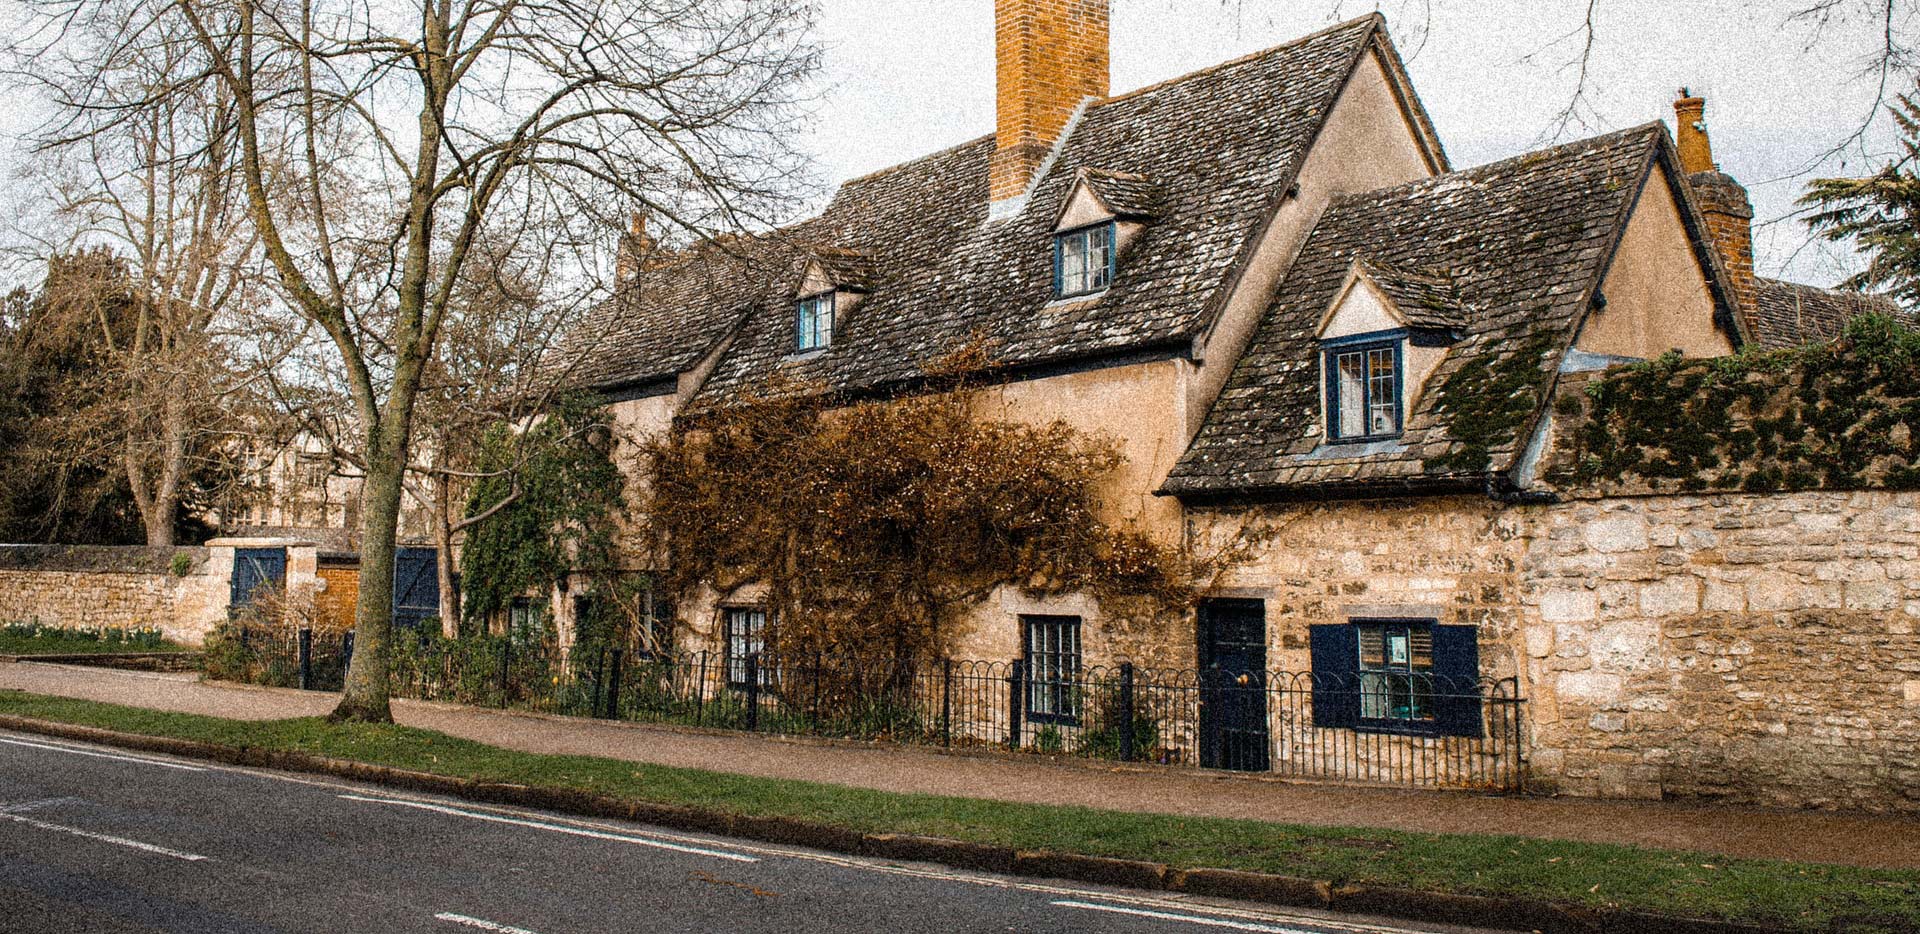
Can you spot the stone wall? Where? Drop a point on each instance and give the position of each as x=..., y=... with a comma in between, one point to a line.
x=134, y=586
x=115, y=587
x=1757, y=648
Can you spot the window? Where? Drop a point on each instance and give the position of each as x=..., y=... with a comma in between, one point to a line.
x=526, y=621
x=1397, y=676
x=1053, y=667
x=1363, y=390
x=1083, y=260
x=1396, y=671
x=746, y=635
x=813, y=325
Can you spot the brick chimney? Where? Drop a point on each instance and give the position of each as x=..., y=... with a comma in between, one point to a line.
x=635, y=251
x=1722, y=200
x=1051, y=55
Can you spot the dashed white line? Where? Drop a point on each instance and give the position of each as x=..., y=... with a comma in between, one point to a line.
x=481, y=923
x=102, y=837
x=557, y=828
x=105, y=755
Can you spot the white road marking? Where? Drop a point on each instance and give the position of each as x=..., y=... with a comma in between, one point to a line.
x=102, y=837
x=481, y=923
x=1190, y=919
x=1173, y=901
x=26, y=806
x=106, y=755
x=557, y=828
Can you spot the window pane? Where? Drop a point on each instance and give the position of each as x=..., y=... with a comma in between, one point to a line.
x=1053, y=664
x=1351, y=386
x=1383, y=398
x=1395, y=661
x=1099, y=256
x=813, y=324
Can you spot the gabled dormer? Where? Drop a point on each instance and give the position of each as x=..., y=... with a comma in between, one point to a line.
x=832, y=285
x=1379, y=339
x=1102, y=216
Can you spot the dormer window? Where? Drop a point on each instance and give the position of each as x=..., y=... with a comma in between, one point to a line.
x=1364, y=383
x=1083, y=260
x=813, y=322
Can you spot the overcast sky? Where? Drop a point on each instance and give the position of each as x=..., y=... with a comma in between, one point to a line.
x=908, y=78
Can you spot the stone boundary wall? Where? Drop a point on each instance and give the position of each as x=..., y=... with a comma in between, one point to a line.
x=135, y=586
x=1757, y=648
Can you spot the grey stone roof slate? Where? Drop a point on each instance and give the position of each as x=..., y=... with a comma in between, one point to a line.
x=1427, y=298
x=1207, y=156
x=1127, y=194
x=1788, y=314
x=1523, y=243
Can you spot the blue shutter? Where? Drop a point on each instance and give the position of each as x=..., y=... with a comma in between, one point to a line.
x=1456, y=680
x=1113, y=253
x=1332, y=367
x=1336, y=675
x=1059, y=247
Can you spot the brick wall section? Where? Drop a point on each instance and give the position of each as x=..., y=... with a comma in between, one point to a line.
x=1729, y=217
x=333, y=604
x=1051, y=54
x=1755, y=648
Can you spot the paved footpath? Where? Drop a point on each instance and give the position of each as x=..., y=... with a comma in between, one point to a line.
x=1856, y=839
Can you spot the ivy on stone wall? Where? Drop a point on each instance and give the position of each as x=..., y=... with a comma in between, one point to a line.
x=875, y=525
x=563, y=495
x=1842, y=415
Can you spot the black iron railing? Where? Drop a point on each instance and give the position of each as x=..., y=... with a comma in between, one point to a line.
x=1295, y=724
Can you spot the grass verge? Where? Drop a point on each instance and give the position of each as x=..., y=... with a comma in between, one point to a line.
x=1795, y=896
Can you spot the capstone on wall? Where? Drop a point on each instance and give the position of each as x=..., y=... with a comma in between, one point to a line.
x=1755, y=648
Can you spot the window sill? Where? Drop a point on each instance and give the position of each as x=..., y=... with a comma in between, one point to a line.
x=1357, y=447
x=1082, y=298
x=801, y=356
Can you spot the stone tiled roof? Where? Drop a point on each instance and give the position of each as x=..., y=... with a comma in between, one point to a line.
x=1523, y=243
x=1210, y=154
x=846, y=269
x=1788, y=314
x=1427, y=299
x=1127, y=194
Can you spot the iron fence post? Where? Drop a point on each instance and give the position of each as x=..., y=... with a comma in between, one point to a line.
x=946, y=702
x=753, y=692
x=613, y=685
x=700, y=691
x=1015, y=705
x=1126, y=712
x=306, y=659
x=506, y=669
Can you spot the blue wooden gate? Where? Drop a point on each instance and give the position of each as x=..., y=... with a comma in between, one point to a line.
x=416, y=586
x=255, y=570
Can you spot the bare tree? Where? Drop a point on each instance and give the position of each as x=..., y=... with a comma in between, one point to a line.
x=156, y=180
x=422, y=125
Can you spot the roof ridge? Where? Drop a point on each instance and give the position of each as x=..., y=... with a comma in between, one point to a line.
x=1377, y=18
x=913, y=161
x=1488, y=168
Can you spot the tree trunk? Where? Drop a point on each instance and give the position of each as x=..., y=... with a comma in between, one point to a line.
x=450, y=622
x=367, y=695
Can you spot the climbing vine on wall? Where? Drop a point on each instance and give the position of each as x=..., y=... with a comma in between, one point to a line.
x=875, y=525
x=1489, y=400
x=1841, y=415
x=563, y=497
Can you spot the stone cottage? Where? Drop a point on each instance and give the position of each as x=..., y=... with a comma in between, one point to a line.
x=1266, y=284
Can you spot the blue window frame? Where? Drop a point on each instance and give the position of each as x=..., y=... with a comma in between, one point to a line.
x=813, y=322
x=1083, y=260
x=1364, y=389
x=1053, y=668
x=1397, y=676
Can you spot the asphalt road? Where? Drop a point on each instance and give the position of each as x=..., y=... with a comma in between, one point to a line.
x=104, y=841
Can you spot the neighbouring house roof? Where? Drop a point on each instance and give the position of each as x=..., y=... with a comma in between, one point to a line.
x=1207, y=157
x=1428, y=300
x=1522, y=244
x=1788, y=314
